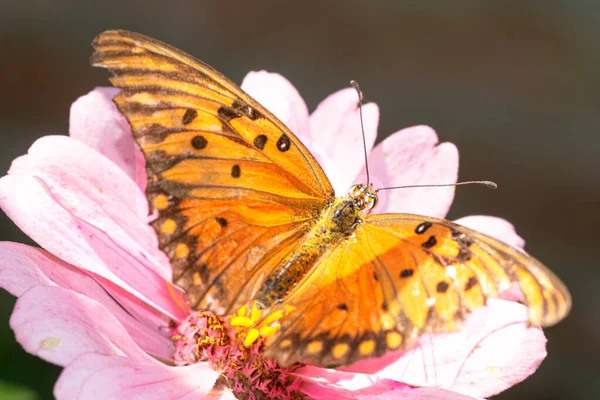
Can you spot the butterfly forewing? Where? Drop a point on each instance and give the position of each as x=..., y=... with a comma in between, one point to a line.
x=472, y=259
x=230, y=182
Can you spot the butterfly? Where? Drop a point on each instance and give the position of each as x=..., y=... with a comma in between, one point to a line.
x=248, y=218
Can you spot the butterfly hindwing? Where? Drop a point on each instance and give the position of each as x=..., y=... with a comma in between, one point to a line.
x=400, y=275
x=230, y=183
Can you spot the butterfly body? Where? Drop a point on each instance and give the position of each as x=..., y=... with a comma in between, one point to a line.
x=336, y=223
x=247, y=215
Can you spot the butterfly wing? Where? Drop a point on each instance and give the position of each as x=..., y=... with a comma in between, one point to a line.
x=400, y=275
x=233, y=187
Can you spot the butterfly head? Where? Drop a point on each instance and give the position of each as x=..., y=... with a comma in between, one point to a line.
x=364, y=196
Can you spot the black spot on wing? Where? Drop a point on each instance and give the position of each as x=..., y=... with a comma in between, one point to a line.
x=222, y=221
x=432, y=241
x=407, y=273
x=236, y=171
x=199, y=142
x=422, y=227
x=442, y=287
x=284, y=143
x=470, y=283
x=189, y=116
x=260, y=141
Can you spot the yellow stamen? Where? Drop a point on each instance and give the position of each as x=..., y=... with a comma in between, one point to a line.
x=274, y=316
x=241, y=321
x=256, y=313
x=289, y=309
x=269, y=330
x=252, y=336
x=242, y=311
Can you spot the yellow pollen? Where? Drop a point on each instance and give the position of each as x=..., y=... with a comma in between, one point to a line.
x=182, y=250
x=285, y=343
x=161, y=202
x=168, y=227
x=274, y=316
x=256, y=313
x=340, y=349
x=50, y=343
x=366, y=347
x=393, y=339
x=241, y=320
x=251, y=337
x=314, y=347
x=289, y=309
x=493, y=370
x=269, y=330
x=242, y=311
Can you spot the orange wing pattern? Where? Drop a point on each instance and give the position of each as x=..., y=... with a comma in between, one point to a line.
x=237, y=195
x=398, y=276
x=231, y=184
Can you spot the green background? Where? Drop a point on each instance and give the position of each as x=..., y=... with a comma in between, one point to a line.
x=514, y=84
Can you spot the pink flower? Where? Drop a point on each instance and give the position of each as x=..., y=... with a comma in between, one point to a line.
x=97, y=298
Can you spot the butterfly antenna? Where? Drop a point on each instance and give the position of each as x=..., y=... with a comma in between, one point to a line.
x=354, y=84
x=489, y=184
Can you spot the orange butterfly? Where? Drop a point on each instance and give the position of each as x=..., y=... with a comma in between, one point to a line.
x=251, y=225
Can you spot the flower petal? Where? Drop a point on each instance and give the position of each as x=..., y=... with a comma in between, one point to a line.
x=58, y=325
x=23, y=267
x=96, y=376
x=496, y=227
x=412, y=156
x=493, y=351
x=96, y=121
x=320, y=383
x=280, y=97
x=336, y=133
x=94, y=189
x=38, y=211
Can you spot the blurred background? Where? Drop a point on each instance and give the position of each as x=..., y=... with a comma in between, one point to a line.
x=513, y=84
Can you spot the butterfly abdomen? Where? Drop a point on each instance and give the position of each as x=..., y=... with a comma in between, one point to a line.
x=335, y=224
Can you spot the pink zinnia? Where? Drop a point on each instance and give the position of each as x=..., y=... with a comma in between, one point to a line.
x=97, y=298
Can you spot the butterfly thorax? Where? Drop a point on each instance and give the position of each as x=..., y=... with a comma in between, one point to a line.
x=337, y=222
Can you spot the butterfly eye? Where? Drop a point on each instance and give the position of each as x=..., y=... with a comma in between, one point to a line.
x=356, y=190
x=371, y=200
x=363, y=196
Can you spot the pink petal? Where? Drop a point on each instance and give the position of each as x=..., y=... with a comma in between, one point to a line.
x=58, y=325
x=496, y=227
x=91, y=187
x=337, y=137
x=96, y=121
x=23, y=267
x=412, y=156
x=30, y=204
x=320, y=383
x=494, y=351
x=96, y=376
x=103, y=215
x=280, y=97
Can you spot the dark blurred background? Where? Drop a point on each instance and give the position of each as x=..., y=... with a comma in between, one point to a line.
x=513, y=84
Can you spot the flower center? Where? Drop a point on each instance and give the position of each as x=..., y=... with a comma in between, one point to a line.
x=234, y=346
